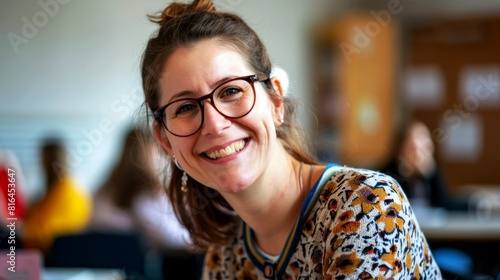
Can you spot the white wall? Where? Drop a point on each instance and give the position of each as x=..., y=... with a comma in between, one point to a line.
x=70, y=68
x=73, y=69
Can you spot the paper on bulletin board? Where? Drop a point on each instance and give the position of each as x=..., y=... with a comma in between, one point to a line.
x=480, y=86
x=463, y=138
x=424, y=86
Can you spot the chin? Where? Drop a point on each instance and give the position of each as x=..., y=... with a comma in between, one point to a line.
x=232, y=188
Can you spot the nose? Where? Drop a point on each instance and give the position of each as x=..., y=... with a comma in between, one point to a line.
x=213, y=123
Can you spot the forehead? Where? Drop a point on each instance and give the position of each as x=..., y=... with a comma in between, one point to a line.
x=202, y=64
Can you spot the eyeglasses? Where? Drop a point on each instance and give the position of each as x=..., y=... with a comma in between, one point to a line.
x=233, y=99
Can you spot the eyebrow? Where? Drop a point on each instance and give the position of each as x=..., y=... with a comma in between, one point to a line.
x=185, y=93
x=180, y=95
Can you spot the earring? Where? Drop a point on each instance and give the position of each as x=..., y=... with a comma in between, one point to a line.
x=184, y=177
x=184, y=181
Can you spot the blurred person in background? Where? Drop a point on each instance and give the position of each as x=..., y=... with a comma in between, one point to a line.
x=64, y=209
x=414, y=166
x=132, y=199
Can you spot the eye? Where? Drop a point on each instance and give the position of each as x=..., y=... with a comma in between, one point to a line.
x=183, y=108
x=230, y=92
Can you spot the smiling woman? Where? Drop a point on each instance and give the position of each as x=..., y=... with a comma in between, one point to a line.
x=244, y=182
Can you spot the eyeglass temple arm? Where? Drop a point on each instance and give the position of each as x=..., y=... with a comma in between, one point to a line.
x=260, y=78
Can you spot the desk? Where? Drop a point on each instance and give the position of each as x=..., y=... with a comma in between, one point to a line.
x=477, y=236
x=438, y=224
x=81, y=274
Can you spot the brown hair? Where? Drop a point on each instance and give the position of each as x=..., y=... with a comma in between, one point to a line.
x=205, y=213
x=133, y=173
x=54, y=161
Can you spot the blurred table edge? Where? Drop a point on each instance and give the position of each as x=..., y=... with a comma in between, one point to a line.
x=438, y=224
x=54, y=273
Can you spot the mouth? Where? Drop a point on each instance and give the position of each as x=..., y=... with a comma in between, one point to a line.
x=233, y=148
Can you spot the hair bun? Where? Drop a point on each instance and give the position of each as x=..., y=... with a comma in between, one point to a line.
x=177, y=9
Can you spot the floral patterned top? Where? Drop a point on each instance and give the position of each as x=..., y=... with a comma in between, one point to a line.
x=354, y=224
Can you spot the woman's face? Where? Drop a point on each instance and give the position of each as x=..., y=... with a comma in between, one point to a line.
x=418, y=148
x=195, y=71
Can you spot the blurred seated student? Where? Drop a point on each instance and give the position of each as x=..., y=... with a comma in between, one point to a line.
x=64, y=209
x=132, y=199
x=414, y=166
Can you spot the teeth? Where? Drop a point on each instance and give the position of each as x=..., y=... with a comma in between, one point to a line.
x=229, y=150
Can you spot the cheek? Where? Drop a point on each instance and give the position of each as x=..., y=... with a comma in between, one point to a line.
x=181, y=146
x=261, y=120
x=264, y=109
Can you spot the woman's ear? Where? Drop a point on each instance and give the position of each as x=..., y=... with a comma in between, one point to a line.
x=277, y=99
x=162, y=138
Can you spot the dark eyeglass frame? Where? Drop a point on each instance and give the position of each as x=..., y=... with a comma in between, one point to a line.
x=251, y=79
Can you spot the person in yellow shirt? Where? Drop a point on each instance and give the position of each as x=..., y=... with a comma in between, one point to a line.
x=65, y=208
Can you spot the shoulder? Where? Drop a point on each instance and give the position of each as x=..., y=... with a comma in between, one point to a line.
x=371, y=186
x=363, y=195
x=71, y=185
x=366, y=219
x=68, y=192
x=350, y=201
x=359, y=202
x=356, y=175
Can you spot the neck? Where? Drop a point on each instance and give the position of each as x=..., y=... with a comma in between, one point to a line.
x=272, y=205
